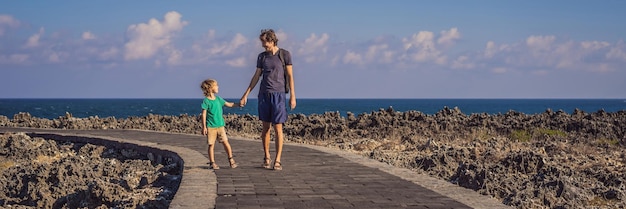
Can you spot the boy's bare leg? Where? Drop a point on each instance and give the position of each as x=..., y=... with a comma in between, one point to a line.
x=228, y=150
x=224, y=140
x=211, y=151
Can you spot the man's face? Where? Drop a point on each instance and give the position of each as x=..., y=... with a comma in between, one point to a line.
x=268, y=45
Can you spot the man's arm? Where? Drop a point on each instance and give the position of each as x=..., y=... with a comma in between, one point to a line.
x=253, y=82
x=292, y=92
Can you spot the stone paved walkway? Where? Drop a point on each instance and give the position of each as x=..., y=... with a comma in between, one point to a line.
x=312, y=177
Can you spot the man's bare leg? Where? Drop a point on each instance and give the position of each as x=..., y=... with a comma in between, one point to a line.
x=265, y=138
x=278, y=129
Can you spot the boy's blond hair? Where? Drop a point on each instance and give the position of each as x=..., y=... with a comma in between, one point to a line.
x=207, y=85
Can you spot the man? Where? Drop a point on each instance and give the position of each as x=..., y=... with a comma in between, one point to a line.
x=275, y=66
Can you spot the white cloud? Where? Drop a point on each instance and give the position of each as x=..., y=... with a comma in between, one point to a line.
x=7, y=22
x=57, y=56
x=108, y=54
x=237, y=62
x=421, y=47
x=490, y=49
x=315, y=44
x=594, y=45
x=565, y=55
x=146, y=39
x=548, y=53
x=33, y=41
x=209, y=47
x=421, y=40
x=540, y=42
x=617, y=52
x=499, y=70
x=14, y=59
x=335, y=60
x=87, y=35
x=449, y=37
x=54, y=57
x=388, y=56
x=281, y=36
x=374, y=50
x=210, y=35
x=212, y=49
x=352, y=58
x=314, y=47
x=463, y=62
x=174, y=57
x=229, y=47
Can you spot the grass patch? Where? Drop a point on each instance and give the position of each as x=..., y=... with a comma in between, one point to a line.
x=550, y=132
x=601, y=202
x=521, y=135
x=481, y=134
x=608, y=142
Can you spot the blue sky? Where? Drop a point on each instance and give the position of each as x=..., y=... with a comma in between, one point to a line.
x=340, y=49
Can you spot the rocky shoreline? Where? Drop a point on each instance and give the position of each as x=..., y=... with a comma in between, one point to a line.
x=548, y=160
x=46, y=173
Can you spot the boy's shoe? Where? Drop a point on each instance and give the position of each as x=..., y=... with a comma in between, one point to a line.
x=267, y=163
x=214, y=166
x=232, y=162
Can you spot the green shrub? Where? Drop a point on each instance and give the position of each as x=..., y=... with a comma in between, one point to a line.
x=550, y=132
x=608, y=142
x=520, y=135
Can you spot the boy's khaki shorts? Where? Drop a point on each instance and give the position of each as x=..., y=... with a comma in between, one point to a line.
x=214, y=133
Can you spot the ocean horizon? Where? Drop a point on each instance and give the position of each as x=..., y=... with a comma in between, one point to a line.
x=128, y=107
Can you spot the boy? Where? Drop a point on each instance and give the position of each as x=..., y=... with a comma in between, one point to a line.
x=213, y=121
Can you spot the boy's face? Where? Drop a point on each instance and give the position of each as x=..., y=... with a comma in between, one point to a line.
x=268, y=45
x=215, y=88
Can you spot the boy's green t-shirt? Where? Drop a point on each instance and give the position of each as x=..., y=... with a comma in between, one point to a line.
x=214, y=112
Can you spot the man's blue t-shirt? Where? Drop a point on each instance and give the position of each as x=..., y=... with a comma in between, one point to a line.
x=273, y=72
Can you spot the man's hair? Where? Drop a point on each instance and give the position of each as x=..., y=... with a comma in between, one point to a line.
x=207, y=85
x=268, y=35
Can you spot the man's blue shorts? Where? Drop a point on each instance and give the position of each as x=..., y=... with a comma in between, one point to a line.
x=272, y=107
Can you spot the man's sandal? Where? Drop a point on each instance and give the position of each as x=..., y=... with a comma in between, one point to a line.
x=232, y=162
x=267, y=162
x=214, y=166
x=278, y=166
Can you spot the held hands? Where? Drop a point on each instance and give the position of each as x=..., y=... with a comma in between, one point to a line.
x=243, y=101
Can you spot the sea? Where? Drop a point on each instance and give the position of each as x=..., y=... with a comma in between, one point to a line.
x=124, y=108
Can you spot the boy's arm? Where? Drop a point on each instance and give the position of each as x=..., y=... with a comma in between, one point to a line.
x=203, y=119
x=231, y=104
x=205, y=131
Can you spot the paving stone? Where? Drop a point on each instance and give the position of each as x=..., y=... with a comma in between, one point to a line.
x=312, y=177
